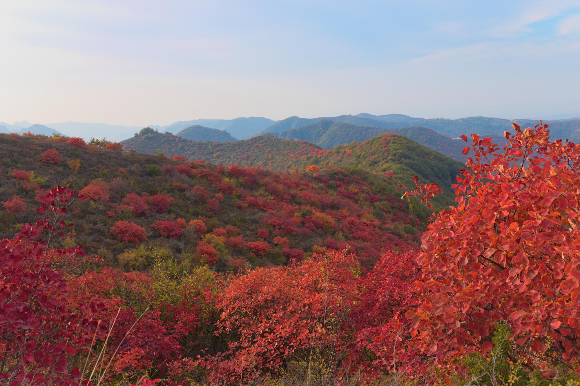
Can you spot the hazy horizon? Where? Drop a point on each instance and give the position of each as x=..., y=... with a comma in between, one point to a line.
x=16, y=123
x=152, y=63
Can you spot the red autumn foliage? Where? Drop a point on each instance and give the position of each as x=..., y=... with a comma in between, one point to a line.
x=199, y=226
x=128, y=232
x=181, y=222
x=137, y=204
x=283, y=241
x=379, y=317
x=201, y=194
x=207, y=252
x=184, y=169
x=21, y=175
x=39, y=331
x=263, y=234
x=51, y=157
x=258, y=247
x=312, y=168
x=14, y=205
x=221, y=232
x=160, y=203
x=213, y=205
x=293, y=255
x=114, y=146
x=509, y=252
x=169, y=229
x=225, y=187
x=283, y=311
x=97, y=190
x=76, y=141
x=236, y=241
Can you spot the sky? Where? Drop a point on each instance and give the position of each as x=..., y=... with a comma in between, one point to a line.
x=147, y=62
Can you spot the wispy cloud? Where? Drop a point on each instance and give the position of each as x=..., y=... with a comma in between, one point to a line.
x=533, y=12
x=570, y=25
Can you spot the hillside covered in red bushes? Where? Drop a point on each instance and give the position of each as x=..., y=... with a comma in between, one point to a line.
x=389, y=155
x=490, y=297
x=225, y=216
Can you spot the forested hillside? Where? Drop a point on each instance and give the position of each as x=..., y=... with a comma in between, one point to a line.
x=201, y=133
x=213, y=275
x=328, y=134
x=394, y=156
x=239, y=215
x=452, y=128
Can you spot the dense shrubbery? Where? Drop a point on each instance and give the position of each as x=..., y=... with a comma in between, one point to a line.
x=491, y=298
x=390, y=155
x=129, y=232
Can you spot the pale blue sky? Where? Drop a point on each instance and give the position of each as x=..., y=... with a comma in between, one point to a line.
x=157, y=62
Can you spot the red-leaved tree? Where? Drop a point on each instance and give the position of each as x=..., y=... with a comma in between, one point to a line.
x=15, y=205
x=160, y=202
x=258, y=247
x=39, y=331
x=97, y=190
x=76, y=141
x=21, y=175
x=129, y=232
x=166, y=228
x=51, y=157
x=281, y=313
x=508, y=253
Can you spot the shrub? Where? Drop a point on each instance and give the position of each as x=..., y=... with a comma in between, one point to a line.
x=128, y=232
x=184, y=169
x=21, y=175
x=114, y=146
x=199, y=226
x=201, y=194
x=51, y=157
x=293, y=255
x=263, y=234
x=97, y=190
x=169, y=229
x=258, y=247
x=283, y=241
x=281, y=314
x=160, y=202
x=207, y=252
x=78, y=142
x=213, y=206
x=153, y=170
x=137, y=204
x=236, y=241
x=15, y=205
x=220, y=232
x=226, y=188
x=312, y=168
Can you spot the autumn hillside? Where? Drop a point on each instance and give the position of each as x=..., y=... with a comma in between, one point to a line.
x=392, y=156
x=201, y=133
x=328, y=134
x=197, y=212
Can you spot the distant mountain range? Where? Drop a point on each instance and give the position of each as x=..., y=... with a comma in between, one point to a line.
x=452, y=128
x=240, y=128
x=25, y=127
x=439, y=134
